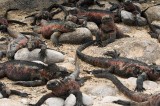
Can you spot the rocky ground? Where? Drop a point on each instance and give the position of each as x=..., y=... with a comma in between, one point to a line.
x=139, y=46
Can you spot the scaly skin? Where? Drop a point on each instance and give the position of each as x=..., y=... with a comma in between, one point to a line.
x=22, y=41
x=46, y=13
x=93, y=15
x=125, y=67
x=139, y=98
x=64, y=87
x=108, y=31
x=6, y=92
x=53, y=29
x=36, y=74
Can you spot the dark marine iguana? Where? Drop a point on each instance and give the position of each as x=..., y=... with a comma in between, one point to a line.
x=82, y=3
x=5, y=92
x=46, y=13
x=4, y=21
x=140, y=99
x=122, y=66
x=53, y=29
x=64, y=87
x=154, y=31
x=28, y=73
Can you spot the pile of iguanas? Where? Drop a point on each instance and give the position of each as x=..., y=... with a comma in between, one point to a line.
x=58, y=79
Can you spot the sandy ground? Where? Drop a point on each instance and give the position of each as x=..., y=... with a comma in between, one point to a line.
x=37, y=92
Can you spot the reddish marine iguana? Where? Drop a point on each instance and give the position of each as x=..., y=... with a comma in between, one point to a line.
x=121, y=66
x=28, y=73
x=64, y=87
x=108, y=31
x=139, y=98
x=21, y=41
x=53, y=29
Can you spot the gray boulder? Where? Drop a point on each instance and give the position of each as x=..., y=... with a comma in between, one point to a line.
x=71, y=100
x=153, y=13
x=54, y=101
x=92, y=27
x=129, y=19
x=80, y=35
x=52, y=56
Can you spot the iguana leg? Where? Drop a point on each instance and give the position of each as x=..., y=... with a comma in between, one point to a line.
x=55, y=12
x=18, y=22
x=30, y=83
x=113, y=54
x=107, y=41
x=34, y=21
x=99, y=4
x=122, y=102
x=32, y=15
x=14, y=92
x=140, y=79
x=54, y=38
x=42, y=99
x=114, y=6
x=102, y=71
x=42, y=53
x=78, y=95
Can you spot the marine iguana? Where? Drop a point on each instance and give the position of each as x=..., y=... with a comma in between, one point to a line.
x=46, y=13
x=53, y=29
x=64, y=87
x=28, y=73
x=5, y=92
x=78, y=20
x=140, y=99
x=121, y=66
x=4, y=21
x=108, y=31
x=82, y=3
x=154, y=30
x=93, y=15
x=21, y=41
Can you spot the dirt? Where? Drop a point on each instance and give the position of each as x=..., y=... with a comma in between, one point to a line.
x=37, y=92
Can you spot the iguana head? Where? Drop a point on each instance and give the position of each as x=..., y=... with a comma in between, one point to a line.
x=106, y=19
x=155, y=74
x=54, y=84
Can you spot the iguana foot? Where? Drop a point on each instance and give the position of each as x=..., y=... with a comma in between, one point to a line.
x=113, y=54
x=121, y=102
x=24, y=94
x=139, y=88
